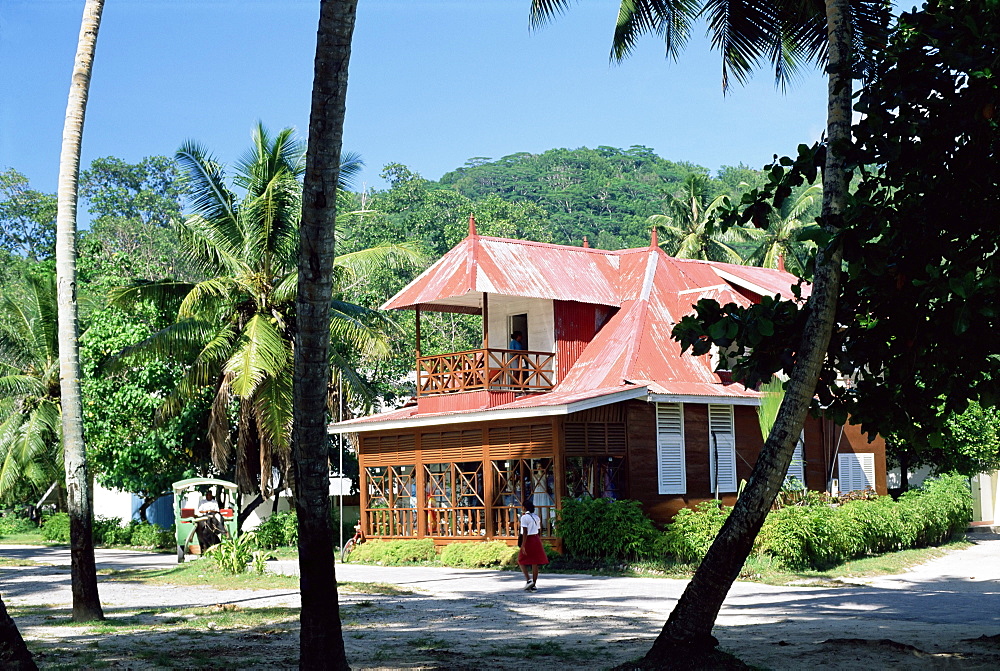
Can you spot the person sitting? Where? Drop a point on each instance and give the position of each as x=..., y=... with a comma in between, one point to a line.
x=210, y=526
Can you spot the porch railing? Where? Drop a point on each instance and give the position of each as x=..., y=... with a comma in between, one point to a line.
x=491, y=369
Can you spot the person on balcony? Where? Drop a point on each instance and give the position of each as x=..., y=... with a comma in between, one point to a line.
x=516, y=363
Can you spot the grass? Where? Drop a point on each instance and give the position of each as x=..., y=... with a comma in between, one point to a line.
x=205, y=572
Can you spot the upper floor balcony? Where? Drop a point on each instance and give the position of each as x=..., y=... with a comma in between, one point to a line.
x=486, y=369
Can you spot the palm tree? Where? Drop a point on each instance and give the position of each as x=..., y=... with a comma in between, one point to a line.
x=321, y=638
x=86, y=602
x=783, y=237
x=788, y=34
x=688, y=231
x=30, y=431
x=236, y=328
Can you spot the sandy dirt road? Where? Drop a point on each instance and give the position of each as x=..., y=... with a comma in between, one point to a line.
x=943, y=614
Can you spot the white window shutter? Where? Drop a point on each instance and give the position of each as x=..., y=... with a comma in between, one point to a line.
x=857, y=471
x=797, y=468
x=722, y=447
x=670, y=448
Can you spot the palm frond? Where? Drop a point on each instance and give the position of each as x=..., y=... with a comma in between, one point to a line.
x=542, y=11
x=357, y=390
x=773, y=393
x=183, y=341
x=384, y=257
x=273, y=410
x=165, y=294
x=213, y=244
x=21, y=385
x=205, y=180
x=261, y=352
x=669, y=19
x=219, y=434
x=204, y=299
x=351, y=164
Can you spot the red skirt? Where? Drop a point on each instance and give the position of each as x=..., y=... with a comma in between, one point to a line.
x=532, y=553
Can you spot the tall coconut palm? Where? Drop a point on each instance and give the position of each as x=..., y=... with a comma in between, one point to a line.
x=788, y=34
x=86, y=602
x=321, y=638
x=236, y=328
x=687, y=232
x=30, y=430
x=781, y=242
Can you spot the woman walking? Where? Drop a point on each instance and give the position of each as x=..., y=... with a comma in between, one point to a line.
x=532, y=553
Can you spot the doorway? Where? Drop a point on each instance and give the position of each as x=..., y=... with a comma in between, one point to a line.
x=518, y=323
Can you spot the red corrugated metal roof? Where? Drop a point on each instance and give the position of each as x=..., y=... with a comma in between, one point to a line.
x=634, y=349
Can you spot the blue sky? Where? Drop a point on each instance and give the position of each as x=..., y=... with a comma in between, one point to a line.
x=432, y=84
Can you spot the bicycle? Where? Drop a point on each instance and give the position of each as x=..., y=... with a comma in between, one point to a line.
x=353, y=542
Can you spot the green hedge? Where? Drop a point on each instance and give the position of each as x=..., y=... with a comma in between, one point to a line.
x=606, y=529
x=278, y=530
x=478, y=554
x=394, y=553
x=819, y=535
x=55, y=528
x=12, y=524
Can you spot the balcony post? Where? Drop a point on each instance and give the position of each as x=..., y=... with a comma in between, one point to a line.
x=418, y=332
x=486, y=320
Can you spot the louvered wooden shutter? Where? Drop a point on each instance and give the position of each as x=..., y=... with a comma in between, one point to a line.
x=722, y=447
x=857, y=471
x=797, y=468
x=670, y=448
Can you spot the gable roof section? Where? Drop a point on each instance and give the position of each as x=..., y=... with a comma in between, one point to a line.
x=478, y=264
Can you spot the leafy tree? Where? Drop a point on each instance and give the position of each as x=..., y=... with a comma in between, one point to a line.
x=149, y=192
x=30, y=429
x=27, y=218
x=689, y=230
x=86, y=602
x=129, y=449
x=321, y=638
x=235, y=329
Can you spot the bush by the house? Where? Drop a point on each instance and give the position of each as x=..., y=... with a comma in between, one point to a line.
x=12, y=524
x=278, y=530
x=111, y=531
x=394, y=553
x=606, y=529
x=147, y=535
x=477, y=554
x=818, y=535
x=691, y=533
x=55, y=528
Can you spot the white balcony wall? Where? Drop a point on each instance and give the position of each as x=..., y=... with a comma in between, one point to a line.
x=541, y=327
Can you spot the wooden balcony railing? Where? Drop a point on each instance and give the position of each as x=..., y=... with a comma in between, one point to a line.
x=491, y=369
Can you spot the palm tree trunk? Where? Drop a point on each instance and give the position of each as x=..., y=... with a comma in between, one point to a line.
x=86, y=603
x=14, y=654
x=689, y=628
x=321, y=638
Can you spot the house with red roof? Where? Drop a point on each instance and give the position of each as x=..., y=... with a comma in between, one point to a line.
x=592, y=399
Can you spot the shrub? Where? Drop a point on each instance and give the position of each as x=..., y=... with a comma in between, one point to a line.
x=606, y=529
x=56, y=528
x=278, y=530
x=111, y=531
x=938, y=510
x=12, y=524
x=691, y=533
x=479, y=555
x=144, y=534
x=394, y=553
x=234, y=555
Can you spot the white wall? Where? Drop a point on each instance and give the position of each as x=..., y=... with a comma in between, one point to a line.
x=541, y=325
x=915, y=477
x=985, y=499
x=112, y=503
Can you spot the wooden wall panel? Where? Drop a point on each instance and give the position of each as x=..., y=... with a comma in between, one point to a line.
x=520, y=441
x=855, y=441
x=575, y=326
x=748, y=440
x=696, y=444
x=815, y=455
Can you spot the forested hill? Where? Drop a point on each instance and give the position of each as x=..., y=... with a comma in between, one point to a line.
x=604, y=193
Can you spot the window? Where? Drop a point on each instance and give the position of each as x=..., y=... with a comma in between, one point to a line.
x=795, y=478
x=670, y=448
x=722, y=448
x=857, y=471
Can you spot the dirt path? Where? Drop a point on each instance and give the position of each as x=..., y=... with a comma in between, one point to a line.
x=929, y=617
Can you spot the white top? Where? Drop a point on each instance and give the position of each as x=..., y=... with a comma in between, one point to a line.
x=206, y=507
x=531, y=522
